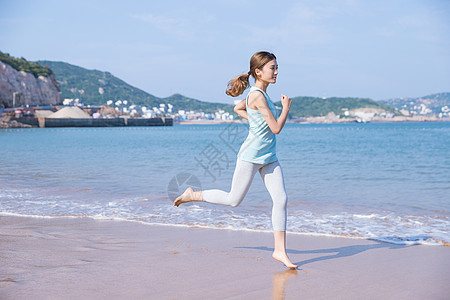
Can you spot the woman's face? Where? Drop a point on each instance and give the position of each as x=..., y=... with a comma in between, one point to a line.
x=269, y=72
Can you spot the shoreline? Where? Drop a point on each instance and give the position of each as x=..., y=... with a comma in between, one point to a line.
x=84, y=258
x=394, y=240
x=6, y=123
x=319, y=120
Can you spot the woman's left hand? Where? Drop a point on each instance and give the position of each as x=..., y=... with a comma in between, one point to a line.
x=286, y=101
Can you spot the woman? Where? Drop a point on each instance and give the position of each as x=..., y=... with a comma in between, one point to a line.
x=258, y=152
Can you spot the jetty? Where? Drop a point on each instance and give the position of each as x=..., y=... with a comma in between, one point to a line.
x=75, y=117
x=115, y=122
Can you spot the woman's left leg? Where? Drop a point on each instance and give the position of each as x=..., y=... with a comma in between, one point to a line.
x=242, y=179
x=272, y=176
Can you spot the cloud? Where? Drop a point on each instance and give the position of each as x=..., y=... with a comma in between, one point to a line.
x=178, y=27
x=302, y=25
x=426, y=25
x=189, y=27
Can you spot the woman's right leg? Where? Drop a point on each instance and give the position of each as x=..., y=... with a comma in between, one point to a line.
x=272, y=176
x=242, y=179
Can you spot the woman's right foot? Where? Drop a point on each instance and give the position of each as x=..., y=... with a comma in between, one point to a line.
x=282, y=257
x=187, y=196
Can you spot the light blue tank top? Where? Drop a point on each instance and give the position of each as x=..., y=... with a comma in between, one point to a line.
x=260, y=145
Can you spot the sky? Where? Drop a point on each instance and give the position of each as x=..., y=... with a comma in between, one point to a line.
x=355, y=48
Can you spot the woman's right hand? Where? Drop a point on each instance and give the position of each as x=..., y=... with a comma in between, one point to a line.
x=286, y=101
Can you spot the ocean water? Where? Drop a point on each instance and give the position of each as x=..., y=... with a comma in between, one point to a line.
x=383, y=181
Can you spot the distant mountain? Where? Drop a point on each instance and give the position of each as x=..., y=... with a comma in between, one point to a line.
x=316, y=107
x=431, y=104
x=21, y=64
x=95, y=87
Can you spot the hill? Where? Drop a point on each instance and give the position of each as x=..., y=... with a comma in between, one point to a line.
x=316, y=107
x=21, y=64
x=95, y=87
x=431, y=104
x=26, y=83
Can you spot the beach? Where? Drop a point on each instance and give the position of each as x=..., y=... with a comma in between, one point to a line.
x=87, y=213
x=82, y=258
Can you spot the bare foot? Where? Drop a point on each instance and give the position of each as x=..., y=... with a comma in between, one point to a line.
x=187, y=196
x=282, y=257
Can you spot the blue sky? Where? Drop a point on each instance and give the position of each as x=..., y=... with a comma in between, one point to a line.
x=376, y=49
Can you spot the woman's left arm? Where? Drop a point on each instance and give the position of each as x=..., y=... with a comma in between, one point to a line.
x=240, y=109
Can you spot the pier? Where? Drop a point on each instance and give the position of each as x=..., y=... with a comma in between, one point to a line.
x=91, y=122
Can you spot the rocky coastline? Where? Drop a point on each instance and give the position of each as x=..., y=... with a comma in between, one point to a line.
x=28, y=89
x=6, y=123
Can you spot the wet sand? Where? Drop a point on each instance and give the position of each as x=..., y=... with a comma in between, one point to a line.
x=81, y=258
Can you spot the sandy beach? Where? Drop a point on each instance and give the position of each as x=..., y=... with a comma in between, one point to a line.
x=82, y=258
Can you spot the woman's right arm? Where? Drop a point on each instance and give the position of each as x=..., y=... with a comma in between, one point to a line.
x=240, y=109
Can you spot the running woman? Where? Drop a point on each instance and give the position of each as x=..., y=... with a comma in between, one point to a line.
x=258, y=152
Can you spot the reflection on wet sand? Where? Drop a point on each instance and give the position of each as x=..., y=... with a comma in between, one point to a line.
x=279, y=281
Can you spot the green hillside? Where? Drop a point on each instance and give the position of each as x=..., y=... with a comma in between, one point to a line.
x=95, y=87
x=316, y=107
x=435, y=103
x=21, y=64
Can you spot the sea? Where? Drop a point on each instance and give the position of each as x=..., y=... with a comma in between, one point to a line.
x=382, y=181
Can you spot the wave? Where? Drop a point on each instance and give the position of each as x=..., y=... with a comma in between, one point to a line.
x=335, y=226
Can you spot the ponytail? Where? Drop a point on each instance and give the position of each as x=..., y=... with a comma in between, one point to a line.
x=238, y=85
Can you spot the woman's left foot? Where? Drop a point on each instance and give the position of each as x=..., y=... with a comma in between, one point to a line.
x=282, y=257
x=187, y=196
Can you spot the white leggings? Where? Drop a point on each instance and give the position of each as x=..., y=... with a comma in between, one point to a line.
x=272, y=176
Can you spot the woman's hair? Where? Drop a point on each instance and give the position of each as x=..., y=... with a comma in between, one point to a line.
x=240, y=83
